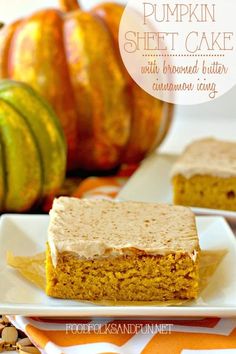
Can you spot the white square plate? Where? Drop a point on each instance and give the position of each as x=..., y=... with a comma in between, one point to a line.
x=152, y=183
x=25, y=235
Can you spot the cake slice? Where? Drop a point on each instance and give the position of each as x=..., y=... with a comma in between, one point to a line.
x=122, y=251
x=205, y=175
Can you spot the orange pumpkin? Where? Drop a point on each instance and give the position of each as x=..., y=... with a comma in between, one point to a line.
x=72, y=59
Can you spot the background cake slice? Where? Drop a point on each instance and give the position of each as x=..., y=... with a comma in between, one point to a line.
x=205, y=175
x=129, y=251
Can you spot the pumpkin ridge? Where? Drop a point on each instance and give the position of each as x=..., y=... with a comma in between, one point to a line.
x=34, y=138
x=39, y=46
x=18, y=182
x=6, y=37
x=106, y=120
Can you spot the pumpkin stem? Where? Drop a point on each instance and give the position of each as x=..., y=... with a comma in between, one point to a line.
x=1, y=25
x=69, y=5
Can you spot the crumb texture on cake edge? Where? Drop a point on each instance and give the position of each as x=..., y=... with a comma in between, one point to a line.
x=123, y=278
x=205, y=192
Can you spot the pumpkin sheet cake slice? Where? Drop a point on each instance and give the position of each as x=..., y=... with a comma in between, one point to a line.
x=121, y=251
x=205, y=175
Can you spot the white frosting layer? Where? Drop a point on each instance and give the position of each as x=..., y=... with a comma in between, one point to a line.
x=207, y=157
x=101, y=228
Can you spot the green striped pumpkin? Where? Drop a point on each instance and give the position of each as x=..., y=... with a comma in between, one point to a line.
x=32, y=148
